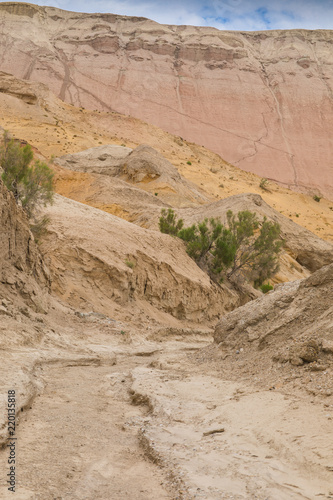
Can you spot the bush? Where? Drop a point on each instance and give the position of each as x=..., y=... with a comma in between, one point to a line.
x=245, y=248
x=31, y=185
x=266, y=288
x=168, y=223
x=317, y=198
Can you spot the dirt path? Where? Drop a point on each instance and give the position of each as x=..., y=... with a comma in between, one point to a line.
x=79, y=440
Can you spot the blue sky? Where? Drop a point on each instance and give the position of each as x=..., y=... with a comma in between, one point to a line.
x=223, y=14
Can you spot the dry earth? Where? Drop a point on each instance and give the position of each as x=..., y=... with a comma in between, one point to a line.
x=138, y=415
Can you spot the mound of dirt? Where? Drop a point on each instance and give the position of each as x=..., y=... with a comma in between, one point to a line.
x=100, y=160
x=291, y=328
x=101, y=262
x=143, y=166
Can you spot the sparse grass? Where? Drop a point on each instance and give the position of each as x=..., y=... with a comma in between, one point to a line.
x=264, y=184
x=130, y=264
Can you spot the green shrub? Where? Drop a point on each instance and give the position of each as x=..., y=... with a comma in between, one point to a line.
x=317, y=198
x=267, y=287
x=168, y=223
x=31, y=184
x=189, y=162
x=244, y=248
x=130, y=264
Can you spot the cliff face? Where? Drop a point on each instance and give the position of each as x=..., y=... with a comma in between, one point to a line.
x=262, y=100
x=22, y=269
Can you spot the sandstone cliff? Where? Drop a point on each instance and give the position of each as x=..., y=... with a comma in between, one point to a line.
x=263, y=100
x=55, y=129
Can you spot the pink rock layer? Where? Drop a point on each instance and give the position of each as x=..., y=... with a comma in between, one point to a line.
x=262, y=100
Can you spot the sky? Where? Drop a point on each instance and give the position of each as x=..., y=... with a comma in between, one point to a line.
x=242, y=15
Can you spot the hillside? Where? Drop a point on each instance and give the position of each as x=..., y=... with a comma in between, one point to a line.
x=263, y=101
x=55, y=129
x=136, y=376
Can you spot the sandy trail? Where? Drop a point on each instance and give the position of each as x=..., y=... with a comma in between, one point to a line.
x=134, y=429
x=79, y=440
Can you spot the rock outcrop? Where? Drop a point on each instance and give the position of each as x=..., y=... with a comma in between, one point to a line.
x=293, y=310
x=144, y=167
x=262, y=100
x=290, y=327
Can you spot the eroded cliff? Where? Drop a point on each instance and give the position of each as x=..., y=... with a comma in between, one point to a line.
x=263, y=100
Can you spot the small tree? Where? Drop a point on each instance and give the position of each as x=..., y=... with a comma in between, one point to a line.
x=31, y=185
x=14, y=161
x=243, y=248
x=37, y=187
x=200, y=238
x=257, y=246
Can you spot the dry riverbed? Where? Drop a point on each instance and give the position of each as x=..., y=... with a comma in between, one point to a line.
x=116, y=416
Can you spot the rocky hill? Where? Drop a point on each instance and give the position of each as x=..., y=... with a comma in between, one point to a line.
x=263, y=101
x=145, y=170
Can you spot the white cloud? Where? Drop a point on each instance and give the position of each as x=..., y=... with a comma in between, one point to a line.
x=223, y=14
